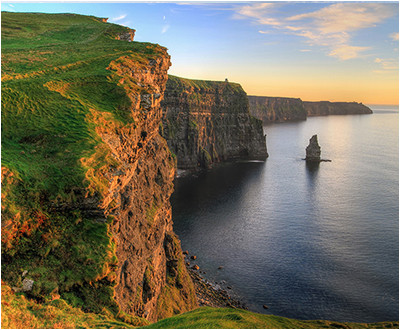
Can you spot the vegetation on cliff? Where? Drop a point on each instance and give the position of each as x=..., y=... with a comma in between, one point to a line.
x=18, y=312
x=61, y=90
x=230, y=318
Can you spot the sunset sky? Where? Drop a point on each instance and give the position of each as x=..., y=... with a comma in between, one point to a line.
x=336, y=51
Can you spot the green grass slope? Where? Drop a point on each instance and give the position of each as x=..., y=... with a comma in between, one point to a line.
x=18, y=312
x=229, y=318
x=54, y=82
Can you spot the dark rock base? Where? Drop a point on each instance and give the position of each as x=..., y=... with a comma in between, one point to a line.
x=209, y=296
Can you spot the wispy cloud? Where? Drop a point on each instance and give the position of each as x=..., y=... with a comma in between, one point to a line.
x=394, y=36
x=165, y=28
x=119, y=18
x=126, y=23
x=346, y=52
x=10, y=7
x=387, y=64
x=257, y=11
x=331, y=27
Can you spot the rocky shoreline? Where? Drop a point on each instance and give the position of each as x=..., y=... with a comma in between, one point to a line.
x=212, y=294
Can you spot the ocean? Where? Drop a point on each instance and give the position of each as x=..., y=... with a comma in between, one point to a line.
x=310, y=242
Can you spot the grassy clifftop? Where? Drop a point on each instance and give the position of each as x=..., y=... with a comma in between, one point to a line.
x=182, y=84
x=57, y=84
x=229, y=318
x=54, y=69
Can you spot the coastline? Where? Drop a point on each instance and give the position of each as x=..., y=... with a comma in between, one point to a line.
x=212, y=294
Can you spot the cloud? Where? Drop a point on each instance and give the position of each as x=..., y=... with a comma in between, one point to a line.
x=388, y=64
x=345, y=17
x=118, y=18
x=10, y=7
x=331, y=27
x=305, y=50
x=394, y=36
x=126, y=23
x=165, y=28
x=256, y=10
x=346, y=52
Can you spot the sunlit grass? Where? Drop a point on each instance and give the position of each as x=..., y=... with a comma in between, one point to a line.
x=229, y=318
x=18, y=312
x=55, y=76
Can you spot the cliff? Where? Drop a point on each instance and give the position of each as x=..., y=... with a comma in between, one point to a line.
x=325, y=108
x=277, y=109
x=206, y=122
x=86, y=176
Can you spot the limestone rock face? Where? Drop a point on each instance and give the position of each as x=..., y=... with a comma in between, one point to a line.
x=313, y=150
x=277, y=109
x=152, y=281
x=206, y=122
x=129, y=35
x=280, y=109
x=27, y=285
x=325, y=108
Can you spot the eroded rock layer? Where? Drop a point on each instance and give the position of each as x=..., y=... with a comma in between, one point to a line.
x=277, y=109
x=325, y=108
x=280, y=109
x=313, y=150
x=152, y=281
x=205, y=122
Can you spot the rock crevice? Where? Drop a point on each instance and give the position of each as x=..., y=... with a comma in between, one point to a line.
x=138, y=198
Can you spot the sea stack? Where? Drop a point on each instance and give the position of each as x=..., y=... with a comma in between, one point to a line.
x=313, y=150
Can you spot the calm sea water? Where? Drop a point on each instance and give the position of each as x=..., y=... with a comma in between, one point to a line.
x=310, y=242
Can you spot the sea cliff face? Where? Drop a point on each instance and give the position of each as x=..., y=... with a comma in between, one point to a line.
x=280, y=109
x=152, y=281
x=86, y=176
x=325, y=108
x=277, y=109
x=206, y=122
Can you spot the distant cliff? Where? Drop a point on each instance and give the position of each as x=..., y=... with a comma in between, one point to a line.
x=205, y=122
x=325, y=108
x=279, y=109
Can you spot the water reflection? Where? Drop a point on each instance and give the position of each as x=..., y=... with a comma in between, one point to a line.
x=308, y=240
x=209, y=189
x=312, y=169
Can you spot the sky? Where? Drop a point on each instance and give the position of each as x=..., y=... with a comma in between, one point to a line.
x=334, y=51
